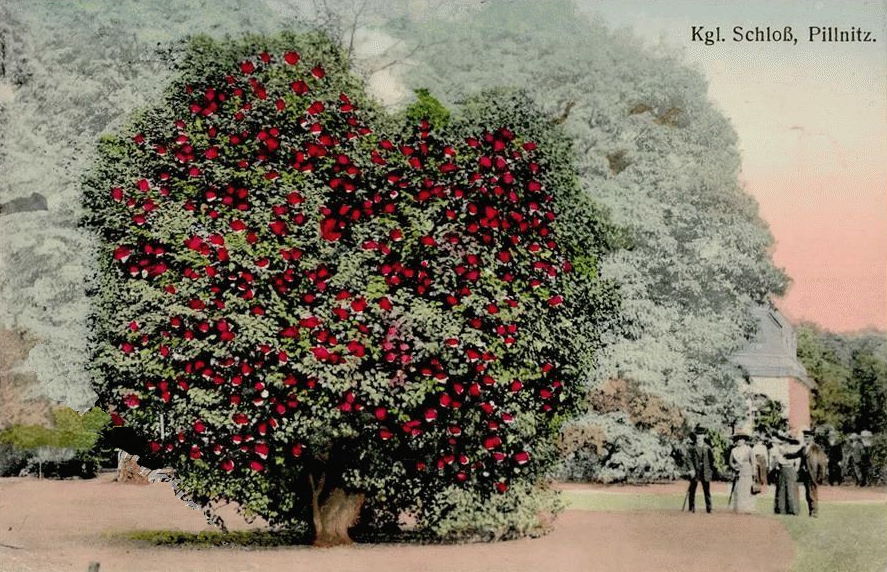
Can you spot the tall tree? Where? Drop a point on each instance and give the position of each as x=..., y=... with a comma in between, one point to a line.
x=306, y=307
x=851, y=376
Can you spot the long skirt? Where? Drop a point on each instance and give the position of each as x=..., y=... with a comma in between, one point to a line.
x=743, y=500
x=786, y=491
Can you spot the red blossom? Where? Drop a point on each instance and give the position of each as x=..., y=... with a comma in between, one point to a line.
x=492, y=442
x=291, y=58
x=522, y=458
x=279, y=228
x=329, y=229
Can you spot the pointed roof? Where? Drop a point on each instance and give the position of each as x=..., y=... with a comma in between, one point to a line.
x=773, y=351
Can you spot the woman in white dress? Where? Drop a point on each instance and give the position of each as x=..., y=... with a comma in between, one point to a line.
x=743, y=464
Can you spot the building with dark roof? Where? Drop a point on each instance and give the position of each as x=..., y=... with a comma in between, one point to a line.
x=771, y=367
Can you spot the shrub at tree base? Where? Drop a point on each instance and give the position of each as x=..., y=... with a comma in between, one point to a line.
x=320, y=312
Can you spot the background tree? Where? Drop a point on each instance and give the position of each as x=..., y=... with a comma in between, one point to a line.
x=655, y=152
x=69, y=434
x=851, y=378
x=769, y=415
x=651, y=148
x=73, y=70
x=307, y=307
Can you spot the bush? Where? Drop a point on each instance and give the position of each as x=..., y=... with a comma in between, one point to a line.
x=12, y=460
x=465, y=516
x=609, y=448
x=312, y=309
x=62, y=450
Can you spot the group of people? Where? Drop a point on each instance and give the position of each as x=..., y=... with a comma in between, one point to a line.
x=850, y=458
x=781, y=460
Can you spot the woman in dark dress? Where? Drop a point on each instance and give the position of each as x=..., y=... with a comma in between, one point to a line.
x=787, y=493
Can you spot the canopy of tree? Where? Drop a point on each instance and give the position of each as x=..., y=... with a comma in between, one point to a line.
x=850, y=371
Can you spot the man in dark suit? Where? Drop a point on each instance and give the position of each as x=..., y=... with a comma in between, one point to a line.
x=701, y=461
x=813, y=469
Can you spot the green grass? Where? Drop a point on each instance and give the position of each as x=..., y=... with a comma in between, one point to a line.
x=847, y=537
x=264, y=538
x=256, y=538
x=607, y=501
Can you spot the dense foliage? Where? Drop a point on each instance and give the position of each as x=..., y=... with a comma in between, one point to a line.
x=70, y=440
x=651, y=148
x=69, y=71
x=654, y=151
x=850, y=371
x=298, y=296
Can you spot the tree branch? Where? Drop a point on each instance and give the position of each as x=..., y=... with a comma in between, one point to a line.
x=565, y=113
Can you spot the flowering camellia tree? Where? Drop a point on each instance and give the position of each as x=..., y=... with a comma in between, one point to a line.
x=318, y=311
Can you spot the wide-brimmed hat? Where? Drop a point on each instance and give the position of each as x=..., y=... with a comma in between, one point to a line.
x=699, y=430
x=740, y=435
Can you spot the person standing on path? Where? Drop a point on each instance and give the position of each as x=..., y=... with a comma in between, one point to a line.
x=761, y=457
x=702, y=462
x=742, y=462
x=835, y=459
x=852, y=454
x=812, y=469
x=786, y=498
x=865, y=458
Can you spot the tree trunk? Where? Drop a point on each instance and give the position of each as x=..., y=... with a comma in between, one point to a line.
x=334, y=515
x=128, y=469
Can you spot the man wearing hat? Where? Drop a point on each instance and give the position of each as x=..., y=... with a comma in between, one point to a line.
x=853, y=458
x=812, y=469
x=865, y=457
x=835, y=452
x=701, y=462
x=761, y=456
x=743, y=464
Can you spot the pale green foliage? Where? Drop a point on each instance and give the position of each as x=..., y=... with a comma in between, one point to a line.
x=627, y=454
x=77, y=69
x=71, y=431
x=526, y=509
x=654, y=150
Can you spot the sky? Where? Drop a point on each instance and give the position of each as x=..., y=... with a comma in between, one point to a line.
x=812, y=124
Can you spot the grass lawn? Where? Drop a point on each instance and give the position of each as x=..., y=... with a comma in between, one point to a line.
x=845, y=537
x=849, y=537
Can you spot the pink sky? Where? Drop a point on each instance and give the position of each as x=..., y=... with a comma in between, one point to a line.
x=834, y=247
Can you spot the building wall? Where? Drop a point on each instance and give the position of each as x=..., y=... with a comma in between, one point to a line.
x=791, y=392
x=799, y=411
x=776, y=388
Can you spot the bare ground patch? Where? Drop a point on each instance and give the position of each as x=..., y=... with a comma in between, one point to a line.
x=65, y=525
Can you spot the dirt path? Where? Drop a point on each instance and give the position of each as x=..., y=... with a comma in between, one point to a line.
x=826, y=493
x=64, y=525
